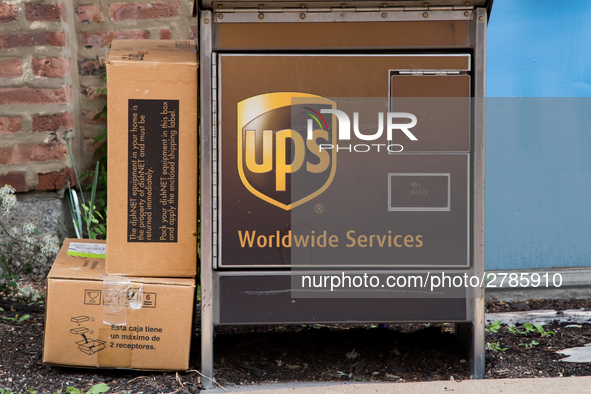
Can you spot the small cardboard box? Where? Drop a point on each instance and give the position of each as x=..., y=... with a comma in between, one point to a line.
x=152, y=161
x=98, y=320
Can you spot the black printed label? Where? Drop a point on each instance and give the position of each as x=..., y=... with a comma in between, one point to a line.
x=152, y=208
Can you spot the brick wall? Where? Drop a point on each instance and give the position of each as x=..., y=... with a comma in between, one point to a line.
x=49, y=74
x=35, y=95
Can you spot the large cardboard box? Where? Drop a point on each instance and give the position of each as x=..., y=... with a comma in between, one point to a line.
x=98, y=320
x=152, y=160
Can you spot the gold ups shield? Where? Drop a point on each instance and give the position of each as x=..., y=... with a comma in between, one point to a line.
x=281, y=135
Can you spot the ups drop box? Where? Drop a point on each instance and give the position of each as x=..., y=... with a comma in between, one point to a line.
x=104, y=321
x=152, y=161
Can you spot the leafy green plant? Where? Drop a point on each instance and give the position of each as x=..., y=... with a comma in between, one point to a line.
x=99, y=186
x=93, y=213
x=101, y=156
x=25, y=246
x=515, y=330
x=537, y=328
x=9, y=283
x=493, y=327
x=16, y=318
x=78, y=208
x=529, y=328
x=30, y=296
x=529, y=345
x=96, y=389
x=7, y=391
x=495, y=347
x=543, y=332
x=96, y=215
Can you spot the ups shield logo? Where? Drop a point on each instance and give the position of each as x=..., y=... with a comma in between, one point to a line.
x=278, y=140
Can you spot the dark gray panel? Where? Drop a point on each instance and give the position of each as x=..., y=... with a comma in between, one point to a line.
x=267, y=299
x=419, y=191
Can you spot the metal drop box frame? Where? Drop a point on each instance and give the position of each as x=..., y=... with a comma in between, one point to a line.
x=414, y=38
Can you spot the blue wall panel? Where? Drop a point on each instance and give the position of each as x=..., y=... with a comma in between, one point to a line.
x=538, y=165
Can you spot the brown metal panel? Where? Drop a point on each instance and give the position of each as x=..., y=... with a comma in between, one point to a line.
x=322, y=36
x=327, y=76
x=431, y=86
x=442, y=103
x=245, y=76
x=209, y=4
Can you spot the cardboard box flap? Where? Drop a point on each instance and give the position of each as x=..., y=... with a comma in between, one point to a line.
x=186, y=45
x=153, y=51
x=76, y=262
x=164, y=281
x=82, y=259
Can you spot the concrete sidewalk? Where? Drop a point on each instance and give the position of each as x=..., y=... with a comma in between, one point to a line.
x=576, y=385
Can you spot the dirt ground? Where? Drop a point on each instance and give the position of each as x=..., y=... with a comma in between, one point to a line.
x=255, y=354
